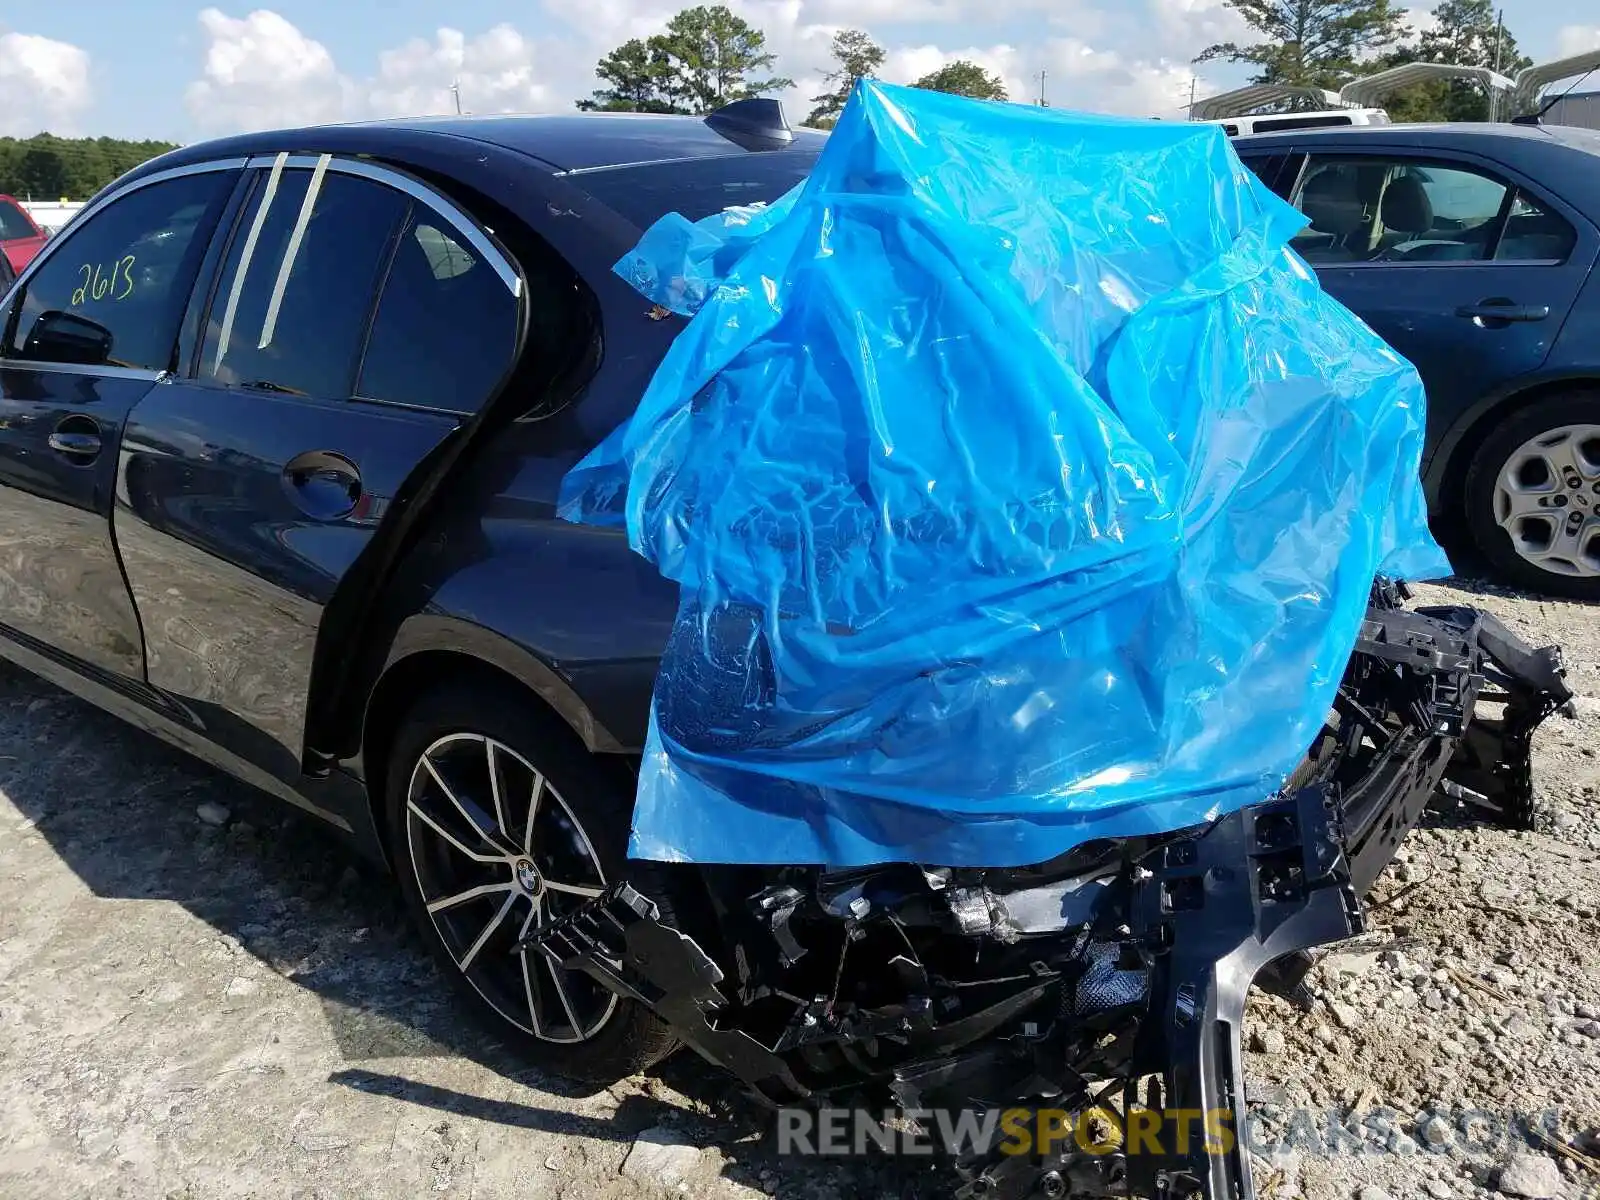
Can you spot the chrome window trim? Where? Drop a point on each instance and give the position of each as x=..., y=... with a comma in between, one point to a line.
x=434, y=410
x=53, y=246
x=28, y=364
x=417, y=190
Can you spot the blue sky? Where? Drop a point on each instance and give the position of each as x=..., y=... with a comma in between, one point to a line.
x=179, y=70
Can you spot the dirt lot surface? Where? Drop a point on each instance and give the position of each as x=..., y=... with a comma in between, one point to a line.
x=196, y=1010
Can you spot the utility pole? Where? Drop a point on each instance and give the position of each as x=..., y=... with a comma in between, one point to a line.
x=1043, y=103
x=455, y=92
x=1499, y=40
x=1194, y=83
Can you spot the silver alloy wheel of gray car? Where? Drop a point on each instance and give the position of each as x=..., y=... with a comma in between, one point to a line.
x=1547, y=499
x=498, y=852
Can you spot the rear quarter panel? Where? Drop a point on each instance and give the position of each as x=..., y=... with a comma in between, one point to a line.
x=569, y=610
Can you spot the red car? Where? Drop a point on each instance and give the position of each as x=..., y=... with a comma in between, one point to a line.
x=20, y=237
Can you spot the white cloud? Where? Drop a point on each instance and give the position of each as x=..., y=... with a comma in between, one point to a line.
x=44, y=84
x=906, y=64
x=1421, y=20
x=260, y=71
x=498, y=71
x=1077, y=75
x=1180, y=29
x=1104, y=81
x=1575, y=39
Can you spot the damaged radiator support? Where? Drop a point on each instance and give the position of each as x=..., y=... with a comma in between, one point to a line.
x=1113, y=978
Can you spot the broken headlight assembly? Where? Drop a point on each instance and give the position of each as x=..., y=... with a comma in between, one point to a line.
x=1110, y=979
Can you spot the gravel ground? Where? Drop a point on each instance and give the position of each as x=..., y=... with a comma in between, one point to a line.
x=192, y=1010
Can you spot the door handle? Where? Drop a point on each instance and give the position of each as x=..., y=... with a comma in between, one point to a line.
x=1503, y=312
x=77, y=438
x=322, y=484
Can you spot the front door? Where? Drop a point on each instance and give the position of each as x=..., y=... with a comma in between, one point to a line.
x=86, y=334
x=1465, y=271
x=323, y=374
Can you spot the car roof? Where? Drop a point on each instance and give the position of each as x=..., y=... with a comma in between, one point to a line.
x=1462, y=135
x=588, y=141
x=562, y=143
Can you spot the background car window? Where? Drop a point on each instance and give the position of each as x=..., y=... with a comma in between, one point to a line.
x=1281, y=123
x=14, y=222
x=1391, y=210
x=1272, y=170
x=114, y=288
x=1535, y=234
x=299, y=282
x=1459, y=198
x=446, y=326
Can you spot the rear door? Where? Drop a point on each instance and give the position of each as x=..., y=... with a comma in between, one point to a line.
x=84, y=336
x=356, y=321
x=1462, y=266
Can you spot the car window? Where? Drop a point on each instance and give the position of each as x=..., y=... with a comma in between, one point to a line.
x=1535, y=234
x=446, y=326
x=299, y=281
x=1270, y=169
x=1393, y=210
x=697, y=189
x=1271, y=124
x=115, y=284
x=1459, y=197
x=14, y=222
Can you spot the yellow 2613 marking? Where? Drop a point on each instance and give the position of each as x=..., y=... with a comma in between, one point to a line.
x=94, y=287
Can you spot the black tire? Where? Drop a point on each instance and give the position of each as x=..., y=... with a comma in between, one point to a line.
x=595, y=792
x=1504, y=442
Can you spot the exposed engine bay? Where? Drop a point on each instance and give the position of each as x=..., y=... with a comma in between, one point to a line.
x=1110, y=979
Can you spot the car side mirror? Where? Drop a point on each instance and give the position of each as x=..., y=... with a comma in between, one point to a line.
x=65, y=337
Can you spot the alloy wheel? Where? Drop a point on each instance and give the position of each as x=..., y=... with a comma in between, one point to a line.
x=497, y=853
x=1547, y=499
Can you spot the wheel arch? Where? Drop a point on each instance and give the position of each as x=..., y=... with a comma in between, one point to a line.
x=1445, y=477
x=429, y=650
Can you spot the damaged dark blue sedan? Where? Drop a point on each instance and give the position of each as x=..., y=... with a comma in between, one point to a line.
x=283, y=423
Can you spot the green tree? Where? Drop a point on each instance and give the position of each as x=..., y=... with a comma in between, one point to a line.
x=712, y=54
x=637, y=74
x=704, y=60
x=1467, y=33
x=47, y=167
x=1311, y=43
x=858, y=56
x=963, y=78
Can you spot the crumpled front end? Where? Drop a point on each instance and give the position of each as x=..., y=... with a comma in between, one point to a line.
x=1030, y=694
x=1092, y=1003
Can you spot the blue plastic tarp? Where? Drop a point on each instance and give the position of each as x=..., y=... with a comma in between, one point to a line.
x=1022, y=488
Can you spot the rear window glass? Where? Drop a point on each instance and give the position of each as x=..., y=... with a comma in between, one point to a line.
x=699, y=188
x=13, y=223
x=1278, y=123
